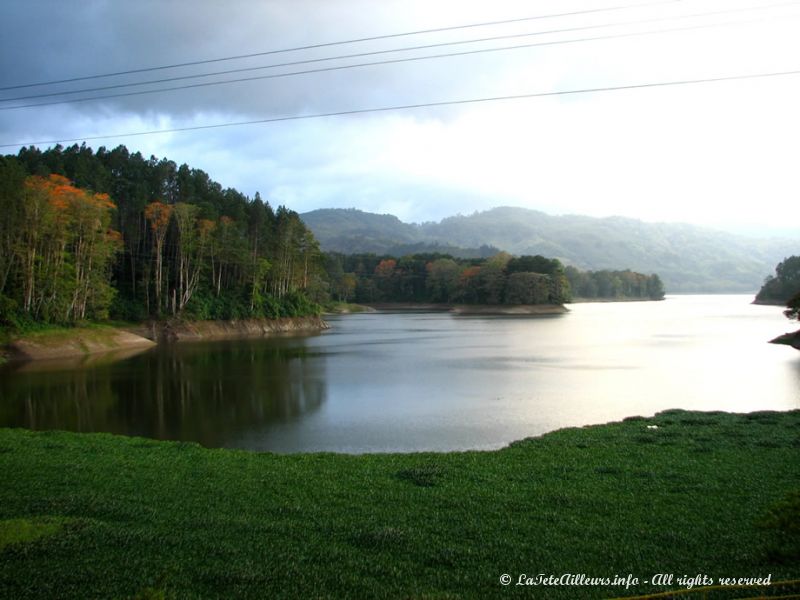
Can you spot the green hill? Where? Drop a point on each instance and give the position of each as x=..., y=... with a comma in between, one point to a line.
x=688, y=258
x=354, y=231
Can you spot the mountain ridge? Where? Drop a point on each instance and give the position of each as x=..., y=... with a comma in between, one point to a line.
x=689, y=258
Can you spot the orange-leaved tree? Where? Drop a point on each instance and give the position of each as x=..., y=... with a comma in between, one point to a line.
x=64, y=250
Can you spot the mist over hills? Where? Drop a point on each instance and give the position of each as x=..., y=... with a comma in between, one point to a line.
x=688, y=258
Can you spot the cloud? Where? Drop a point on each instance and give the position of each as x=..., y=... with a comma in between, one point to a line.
x=718, y=154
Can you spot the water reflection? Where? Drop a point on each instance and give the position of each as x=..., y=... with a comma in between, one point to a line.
x=200, y=392
x=77, y=362
x=411, y=382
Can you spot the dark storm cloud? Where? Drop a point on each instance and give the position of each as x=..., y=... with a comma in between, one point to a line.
x=50, y=40
x=657, y=154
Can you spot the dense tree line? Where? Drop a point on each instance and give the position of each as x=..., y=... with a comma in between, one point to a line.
x=499, y=279
x=781, y=287
x=88, y=235
x=437, y=278
x=614, y=284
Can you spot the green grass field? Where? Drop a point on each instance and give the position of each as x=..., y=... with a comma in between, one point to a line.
x=100, y=516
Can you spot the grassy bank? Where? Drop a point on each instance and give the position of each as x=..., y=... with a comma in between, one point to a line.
x=46, y=334
x=52, y=342
x=100, y=516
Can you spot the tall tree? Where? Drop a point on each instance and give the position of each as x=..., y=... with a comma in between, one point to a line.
x=158, y=215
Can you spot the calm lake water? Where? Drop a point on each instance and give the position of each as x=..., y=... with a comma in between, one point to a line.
x=409, y=382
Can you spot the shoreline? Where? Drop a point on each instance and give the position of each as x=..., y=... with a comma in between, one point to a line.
x=198, y=331
x=770, y=302
x=87, y=343
x=791, y=339
x=590, y=300
x=73, y=343
x=472, y=309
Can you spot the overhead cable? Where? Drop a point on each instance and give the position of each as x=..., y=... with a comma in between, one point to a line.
x=393, y=50
x=339, y=43
x=377, y=63
x=382, y=109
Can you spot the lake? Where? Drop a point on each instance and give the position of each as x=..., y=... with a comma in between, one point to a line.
x=385, y=382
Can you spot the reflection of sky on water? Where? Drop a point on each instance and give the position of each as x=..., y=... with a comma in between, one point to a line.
x=384, y=382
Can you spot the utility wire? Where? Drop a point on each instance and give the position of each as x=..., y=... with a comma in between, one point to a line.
x=382, y=62
x=360, y=111
x=339, y=43
x=389, y=51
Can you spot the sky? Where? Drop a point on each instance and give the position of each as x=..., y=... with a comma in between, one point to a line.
x=723, y=154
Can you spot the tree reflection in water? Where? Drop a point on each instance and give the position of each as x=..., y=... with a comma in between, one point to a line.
x=203, y=392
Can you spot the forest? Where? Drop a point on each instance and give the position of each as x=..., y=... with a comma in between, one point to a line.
x=607, y=284
x=499, y=279
x=91, y=236
x=112, y=235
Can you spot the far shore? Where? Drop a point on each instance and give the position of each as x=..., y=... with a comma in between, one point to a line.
x=769, y=302
x=586, y=300
x=472, y=309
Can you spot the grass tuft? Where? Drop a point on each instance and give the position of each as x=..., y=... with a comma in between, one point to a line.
x=422, y=476
x=380, y=538
x=24, y=531
x=782, y=521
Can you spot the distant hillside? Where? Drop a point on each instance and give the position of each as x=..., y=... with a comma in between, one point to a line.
x=353, y=231
x=688, y=258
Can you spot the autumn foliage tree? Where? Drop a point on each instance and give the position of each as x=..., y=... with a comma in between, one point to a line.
x=60, y=262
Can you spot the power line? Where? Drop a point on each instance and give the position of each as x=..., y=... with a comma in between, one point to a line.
x=387, y=51
x=339, y=43
x=417, y=106
x=376, y=63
